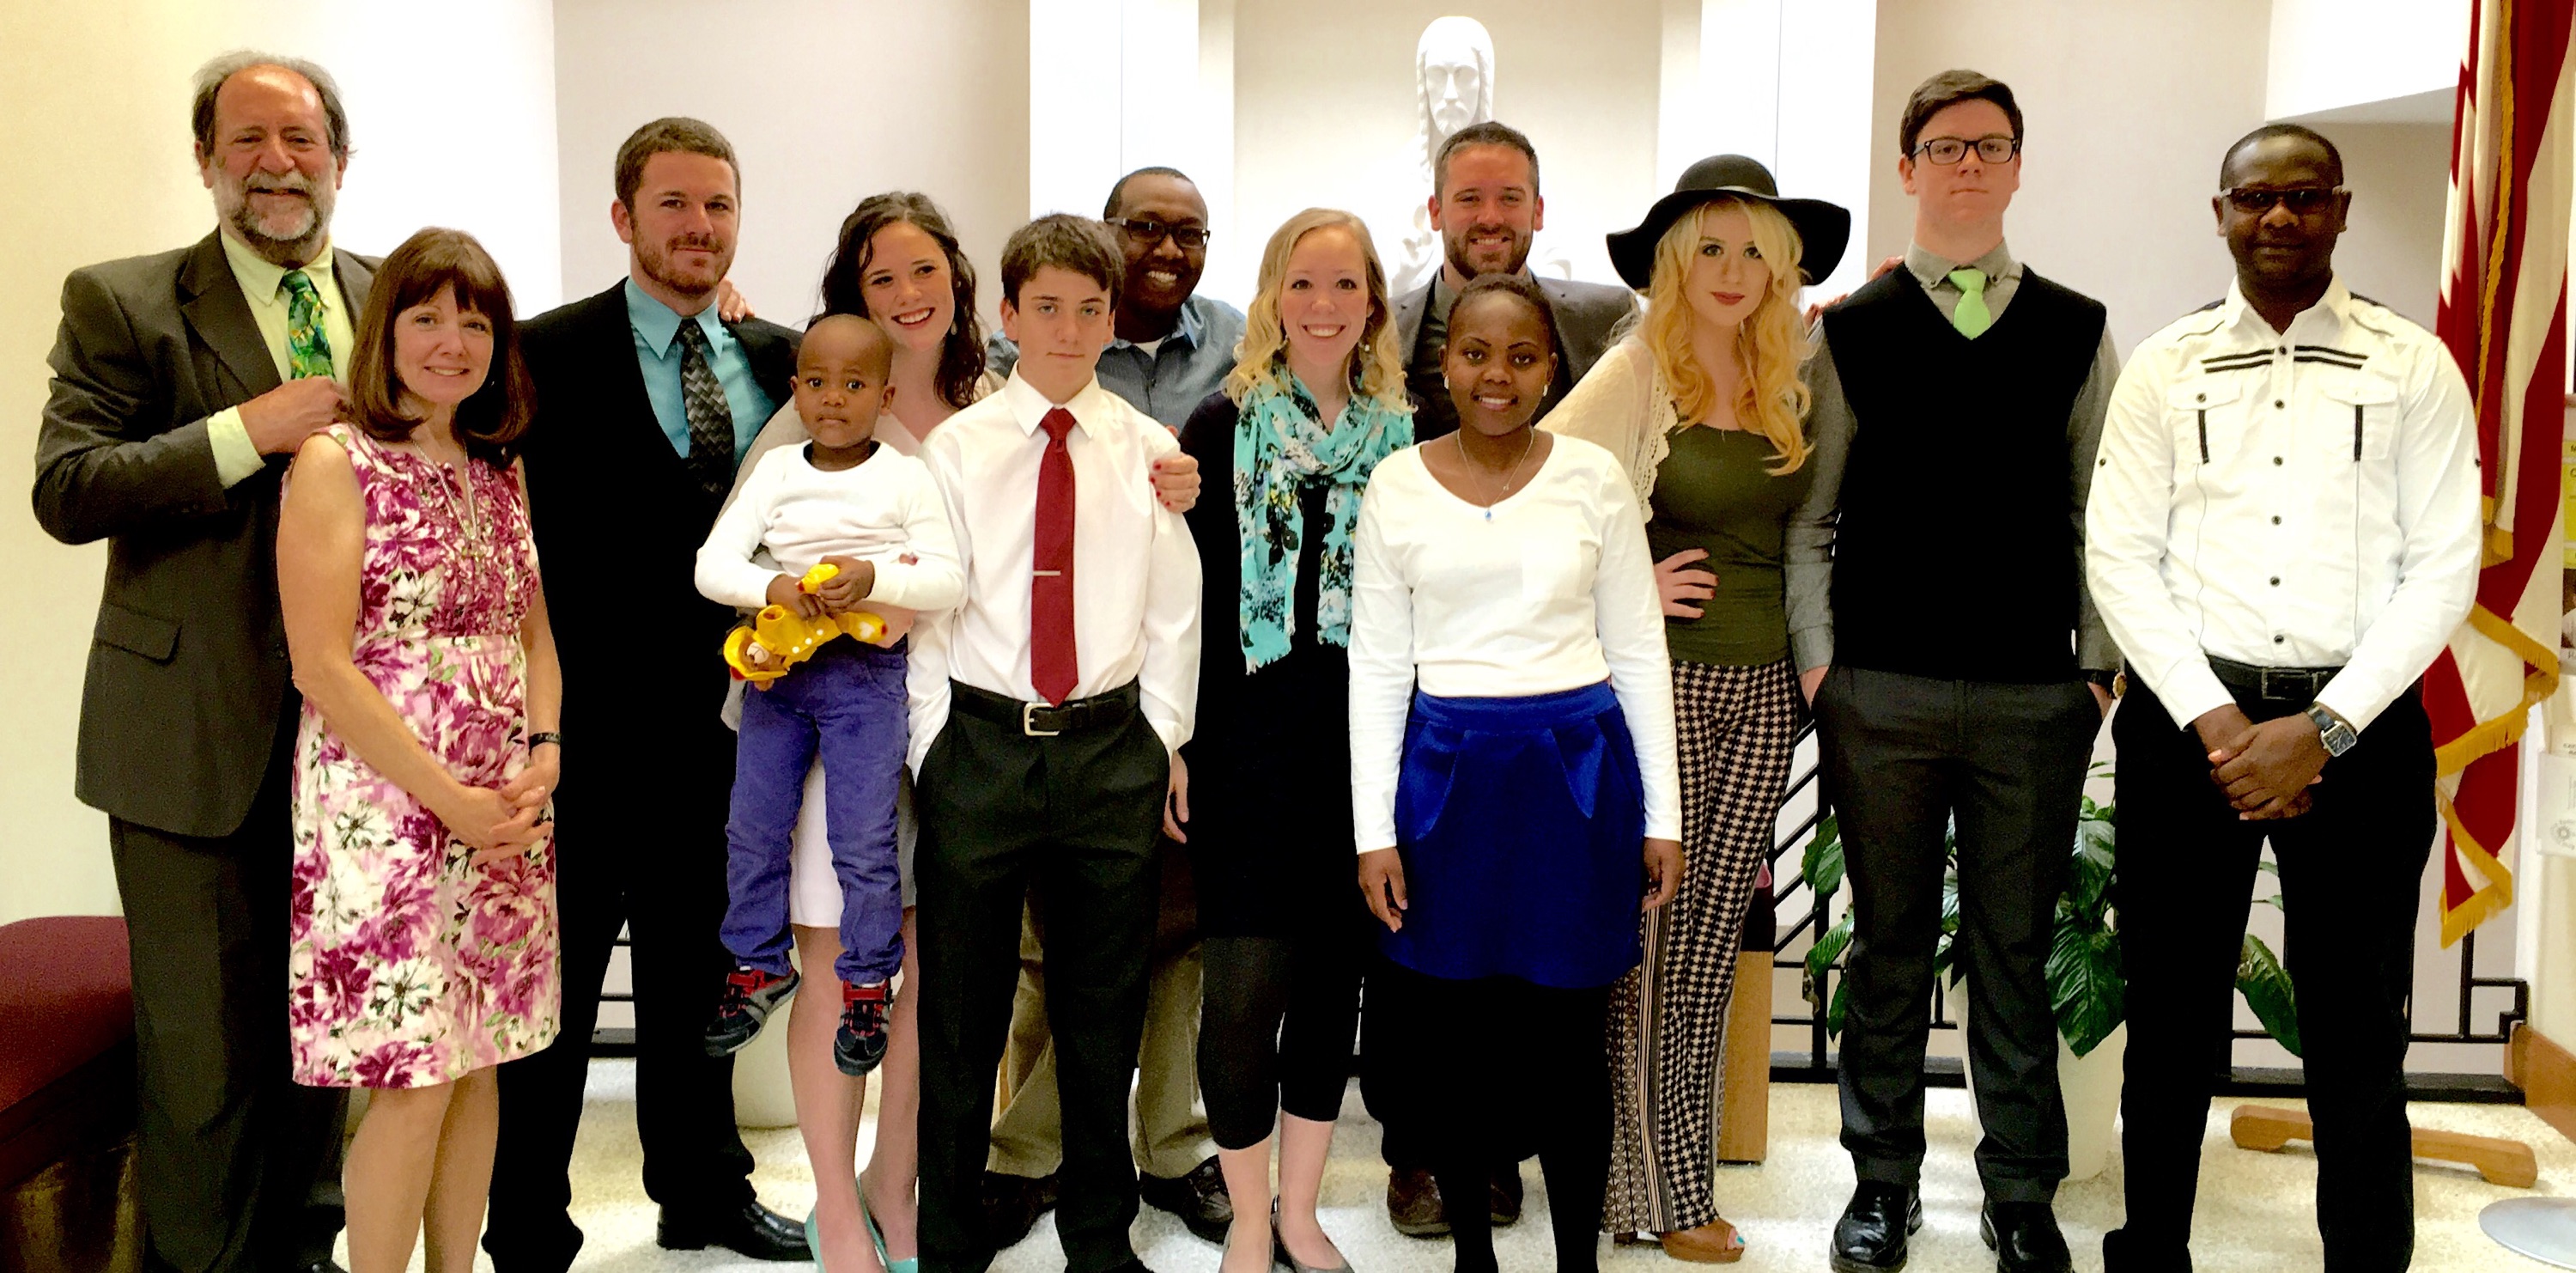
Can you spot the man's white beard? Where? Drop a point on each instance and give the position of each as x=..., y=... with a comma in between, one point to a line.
x=287, y=238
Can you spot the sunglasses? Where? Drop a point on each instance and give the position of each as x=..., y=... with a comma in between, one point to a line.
x=1146, y=230
x=2300, y=200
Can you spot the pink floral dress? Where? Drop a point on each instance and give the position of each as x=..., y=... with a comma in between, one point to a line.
x=411, y=966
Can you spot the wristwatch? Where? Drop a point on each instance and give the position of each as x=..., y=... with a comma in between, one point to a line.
x=2332, y=730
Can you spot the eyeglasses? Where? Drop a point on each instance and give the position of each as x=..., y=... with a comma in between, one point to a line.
x=1950, y=150
x=2304, y=201
x=1147, y=231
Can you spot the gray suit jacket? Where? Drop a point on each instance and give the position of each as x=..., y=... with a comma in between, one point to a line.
x=188, y=685
x=1588, y=314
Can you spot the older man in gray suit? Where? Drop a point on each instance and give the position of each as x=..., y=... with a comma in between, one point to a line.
x=183, y=383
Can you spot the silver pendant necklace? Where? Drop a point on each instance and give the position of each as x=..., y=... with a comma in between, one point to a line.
x=1510, y=479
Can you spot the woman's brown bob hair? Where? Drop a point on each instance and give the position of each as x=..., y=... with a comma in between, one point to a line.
x=490, y=423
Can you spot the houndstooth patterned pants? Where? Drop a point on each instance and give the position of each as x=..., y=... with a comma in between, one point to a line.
x=1736, y=727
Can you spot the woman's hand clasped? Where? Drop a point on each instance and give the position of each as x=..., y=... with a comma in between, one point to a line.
x=1382, y=883
x=494, y=823
x=1663, y=871
x=1679, y=584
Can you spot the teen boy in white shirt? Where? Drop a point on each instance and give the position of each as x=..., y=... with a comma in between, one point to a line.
x=1046, y=714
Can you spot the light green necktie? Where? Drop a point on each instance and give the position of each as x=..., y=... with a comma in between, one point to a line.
x=308, y=350
x=1971, y=318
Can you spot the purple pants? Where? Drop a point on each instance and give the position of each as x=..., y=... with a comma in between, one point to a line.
x=847, y=704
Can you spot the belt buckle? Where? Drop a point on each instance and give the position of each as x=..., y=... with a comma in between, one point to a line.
x=2304, y=680
x=1029, y=720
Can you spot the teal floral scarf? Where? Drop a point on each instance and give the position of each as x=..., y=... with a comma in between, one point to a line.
x=1280, y=447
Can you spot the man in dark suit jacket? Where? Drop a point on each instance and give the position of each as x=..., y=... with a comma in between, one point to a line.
x=645, y=400
x=1486, y=206
x=183, y=383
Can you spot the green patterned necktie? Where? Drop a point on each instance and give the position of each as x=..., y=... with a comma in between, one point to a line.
x=1971, y=318
x=308, y=350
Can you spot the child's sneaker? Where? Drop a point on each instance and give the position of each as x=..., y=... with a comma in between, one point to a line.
x=860, y=1044
x=749, y=996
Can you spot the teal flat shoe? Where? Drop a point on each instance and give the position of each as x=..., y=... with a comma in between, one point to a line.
x=877, y=1236
x=814, y=1239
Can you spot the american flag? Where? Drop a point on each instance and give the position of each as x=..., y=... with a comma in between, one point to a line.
x=2504, y=318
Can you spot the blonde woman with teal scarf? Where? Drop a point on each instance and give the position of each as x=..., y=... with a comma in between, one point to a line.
x=1315, y=401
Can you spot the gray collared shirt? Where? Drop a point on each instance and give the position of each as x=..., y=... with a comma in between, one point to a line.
x=1829, y=411
x=1169, y=381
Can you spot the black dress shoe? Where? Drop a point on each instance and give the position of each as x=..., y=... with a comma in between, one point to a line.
x=2024, y=1238
x=1504, y=1200
x=1198, y=1198
x=1870, y=1238
x=1012, y=1205
x=753, y=1230
x=1413, y=1203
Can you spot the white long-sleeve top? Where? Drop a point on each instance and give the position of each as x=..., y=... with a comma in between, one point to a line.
x=1555, y=592
x=883, y=509
x=2300, y=498
x=1135, y=568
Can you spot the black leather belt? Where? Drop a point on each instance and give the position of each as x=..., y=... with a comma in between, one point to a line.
x=2272, y=684
x=1046, y=720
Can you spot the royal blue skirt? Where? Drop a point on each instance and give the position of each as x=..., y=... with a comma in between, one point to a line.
x=1522, y=823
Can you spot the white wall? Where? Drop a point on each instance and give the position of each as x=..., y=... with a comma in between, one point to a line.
x=2365, y=61
x=825, y=103
x=2128, y=108
x=1324, y=115
x=453, y=124
x=2400, y=178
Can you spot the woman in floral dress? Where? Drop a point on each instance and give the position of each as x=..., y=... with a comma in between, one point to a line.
x=423, y=918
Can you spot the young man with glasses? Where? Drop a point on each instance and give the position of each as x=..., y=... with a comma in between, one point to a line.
x=2283, y=535
x=1174, y=346
x=1969, y=672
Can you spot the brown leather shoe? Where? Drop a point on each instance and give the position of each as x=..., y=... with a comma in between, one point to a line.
x=1504, y=1202
x=1413, y=1203
x=1715, y=1242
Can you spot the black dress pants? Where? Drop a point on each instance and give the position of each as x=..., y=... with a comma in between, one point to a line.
x=239, y=1165
x=1904, y=756
x=641, y=844
x=2350, y=869
x=1072, y=818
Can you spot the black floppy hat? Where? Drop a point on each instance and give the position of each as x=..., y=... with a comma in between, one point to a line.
x=1824, y=229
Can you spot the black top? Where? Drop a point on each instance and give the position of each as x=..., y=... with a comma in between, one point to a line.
x=1955, y=555
x=618, y=520
x=1271, y=840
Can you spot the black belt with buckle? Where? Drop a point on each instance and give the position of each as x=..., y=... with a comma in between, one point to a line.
x=1046, y=720
x=2272, y=684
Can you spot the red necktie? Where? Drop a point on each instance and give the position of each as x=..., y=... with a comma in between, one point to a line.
x=1052, y=667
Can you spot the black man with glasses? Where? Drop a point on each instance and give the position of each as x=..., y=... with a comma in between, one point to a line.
x=1173, y=348
x=2283, y=535
x=1969, y=672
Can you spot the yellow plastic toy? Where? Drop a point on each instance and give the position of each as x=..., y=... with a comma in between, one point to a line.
x=779, y=638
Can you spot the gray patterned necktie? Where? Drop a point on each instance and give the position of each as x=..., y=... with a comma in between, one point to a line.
x=702, y=398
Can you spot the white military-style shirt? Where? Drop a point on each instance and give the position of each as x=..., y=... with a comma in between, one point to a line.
x=2305, y=498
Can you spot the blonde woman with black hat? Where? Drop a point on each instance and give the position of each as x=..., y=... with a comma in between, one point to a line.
x=1704, y=406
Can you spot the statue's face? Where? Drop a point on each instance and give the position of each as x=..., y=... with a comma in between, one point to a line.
x=1452, y=84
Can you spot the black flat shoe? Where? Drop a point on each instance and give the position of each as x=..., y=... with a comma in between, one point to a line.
x=1012, y=1205
x=1198, y=1198
x=754, y=1231
x=2024, y=1238
x=1870, y=1238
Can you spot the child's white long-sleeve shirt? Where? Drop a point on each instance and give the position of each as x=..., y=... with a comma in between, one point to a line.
x=881, y=511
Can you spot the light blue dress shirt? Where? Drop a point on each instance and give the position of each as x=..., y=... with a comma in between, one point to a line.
x=1169, y=381
x=657, y=351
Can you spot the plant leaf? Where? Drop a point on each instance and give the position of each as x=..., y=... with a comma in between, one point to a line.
x=1822, y=864
x=2267, y=990
x=1820, y=959
x=2085, y=984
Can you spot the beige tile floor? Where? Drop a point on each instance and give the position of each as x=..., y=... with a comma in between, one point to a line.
x=2254, y=1214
